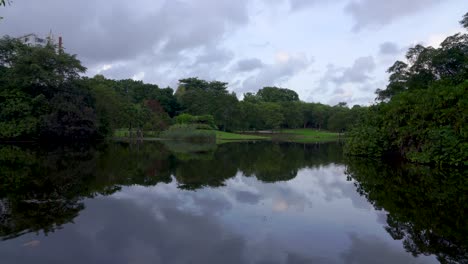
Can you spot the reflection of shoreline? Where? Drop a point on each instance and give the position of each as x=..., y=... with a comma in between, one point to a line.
x=425, y=205
x=294, y=198
x=58, y=179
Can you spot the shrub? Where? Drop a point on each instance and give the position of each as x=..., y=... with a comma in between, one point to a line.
x=203, y=122
x=189, y=133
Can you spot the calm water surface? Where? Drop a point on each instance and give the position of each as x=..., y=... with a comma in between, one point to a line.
x=233, y=203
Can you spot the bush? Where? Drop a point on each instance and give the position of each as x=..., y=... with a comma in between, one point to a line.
x=189, y=133
x=203, y=122
x=423, y=126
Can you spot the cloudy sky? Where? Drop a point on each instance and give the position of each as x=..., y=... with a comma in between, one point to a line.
x=326, y=50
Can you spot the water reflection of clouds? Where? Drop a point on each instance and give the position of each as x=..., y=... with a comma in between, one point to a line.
x=328, y=183
x=280, y=196
x=324, y=186
x=163, y=224
x=124, y=231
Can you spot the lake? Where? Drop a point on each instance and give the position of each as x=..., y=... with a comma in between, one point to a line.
x=253, y=202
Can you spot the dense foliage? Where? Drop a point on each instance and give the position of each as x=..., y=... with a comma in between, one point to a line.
x=423, y=113
x=44, y=96
x=41, y=95
x=132, y=104
x=269, y=108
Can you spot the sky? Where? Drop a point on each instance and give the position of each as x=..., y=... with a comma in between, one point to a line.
x=328, y=51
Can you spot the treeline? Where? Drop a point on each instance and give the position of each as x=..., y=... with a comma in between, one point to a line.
x=134, y=104
x=269, y=108
x=423, y=112
x=44, y=96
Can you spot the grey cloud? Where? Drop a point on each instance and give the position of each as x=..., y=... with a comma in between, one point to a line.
x=103, y=32
x=214, y=56
x=261, y=45
x=300, y=4
x=336, y=79
x=376, y=13
x=358, y=72
x=339, y=90
x=248, y=65
x=90, y=28
x=389, y=48
x=297, y=5
x=247, y=197
x=275, y=74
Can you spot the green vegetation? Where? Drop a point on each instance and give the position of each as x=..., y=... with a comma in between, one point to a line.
x=189, y=133
x=124, y=133
x=423, y=113
x=222, y=136
x=200, y=122
x=307, y=135
x=43, y=97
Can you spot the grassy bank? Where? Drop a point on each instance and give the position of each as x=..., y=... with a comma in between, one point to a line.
x=185, y=133
x=189, y=133
x=222, y=137
x=124, y=133
x=306, y=135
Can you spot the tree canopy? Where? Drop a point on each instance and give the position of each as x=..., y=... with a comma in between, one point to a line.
x=464, y=21
x=43, y=95
x=40, y=94
x=277, y=95
x=422, y=115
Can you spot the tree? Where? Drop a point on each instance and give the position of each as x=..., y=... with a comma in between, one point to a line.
x=397, y=81
x=422, y=116
x=249, y=116
x=199, y=97
x=319, y=116
x=277, y=95
x=292, y=113
x=271, y=115
x=40, y=94
x=464, y=21
x=426, y=65
x=159, y=120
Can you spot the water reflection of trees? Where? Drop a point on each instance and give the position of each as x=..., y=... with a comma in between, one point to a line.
x=268, y=162
x=426, y=206
x=42, y=189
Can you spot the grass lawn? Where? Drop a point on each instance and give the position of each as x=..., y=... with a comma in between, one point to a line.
x=289, y=135
x=307, y=135
x=123, y=133
x=222, y=137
